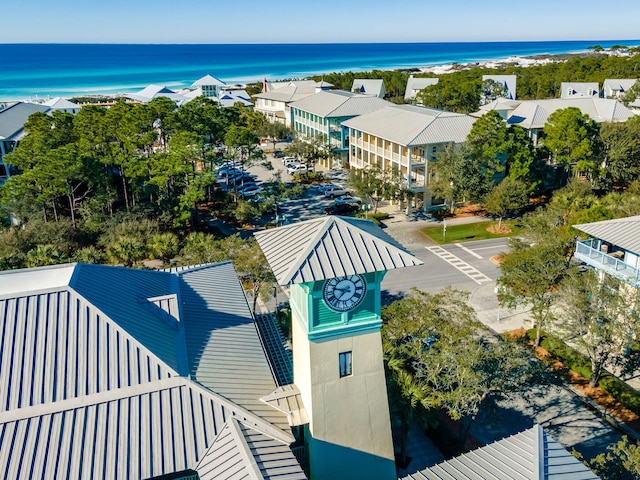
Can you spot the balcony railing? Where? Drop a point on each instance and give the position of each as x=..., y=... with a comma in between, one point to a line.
x=606, y=262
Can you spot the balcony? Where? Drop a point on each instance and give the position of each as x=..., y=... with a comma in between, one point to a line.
x=611, y=264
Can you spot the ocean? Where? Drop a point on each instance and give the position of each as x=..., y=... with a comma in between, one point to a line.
x=37, y=71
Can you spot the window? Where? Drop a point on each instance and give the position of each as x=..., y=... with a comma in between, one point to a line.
x=345, y=364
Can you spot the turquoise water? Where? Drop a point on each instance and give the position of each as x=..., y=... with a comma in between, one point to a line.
x=46, y=70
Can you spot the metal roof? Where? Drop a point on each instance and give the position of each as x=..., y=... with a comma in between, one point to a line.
x=529, y=455
x=508, y=81
x=414, y=125
x=622, y=232
x=108, y=372
x=207, y=80
x=330, y=247
x=369, y=86
x=278, y=353
x=59, y=103
x=338, y=103
x=288, y=400
x=152, y=91
x=13, y=118
x=415, y=84
x=244, y=452
x=534, y=113
x=618, y=85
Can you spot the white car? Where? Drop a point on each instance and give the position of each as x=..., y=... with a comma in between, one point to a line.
x=287, y=161
x=297, y=168
x=347, y=199
x=249, y=190
x=335, y=191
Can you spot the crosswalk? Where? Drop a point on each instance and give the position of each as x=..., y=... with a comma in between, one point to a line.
x=471, y=272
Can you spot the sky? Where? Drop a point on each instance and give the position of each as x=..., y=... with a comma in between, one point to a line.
x=304, y=21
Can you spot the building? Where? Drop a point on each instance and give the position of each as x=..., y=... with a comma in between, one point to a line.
x=333, y=267
x=532, y=115
x=321, y=116
x=208, y=86
x=369, y=86
x=613, y=249
x=405, y=138
x=62, y=105
x=507, y=83
x=275, y=100
x=617, y=87
x=415, y=84
x=532, y=454
x=579, y=90
x=12, y=120
x=501, y=105
x=110, y=372
x=153, y=91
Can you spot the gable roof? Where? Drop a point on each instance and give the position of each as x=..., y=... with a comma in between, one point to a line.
x=109, y=372
x=415, y=84
x=208, y=80
x=59, y=103
x=414, y=125
x=622, y=232
x=289, y=91
x=338, y=103
x=330, y=247
x=152, y=91
x=508, y=81
x=534, y=113
x=618, y=85
x=529, y=455
x=13, y=118
x=369, y=86
x=579, y=89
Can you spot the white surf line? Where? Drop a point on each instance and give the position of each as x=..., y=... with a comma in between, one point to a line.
x=471, y=272
x=471, y=252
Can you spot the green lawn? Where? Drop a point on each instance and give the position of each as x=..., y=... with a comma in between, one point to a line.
x=468, y=232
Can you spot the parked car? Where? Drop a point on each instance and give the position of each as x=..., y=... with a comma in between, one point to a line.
x=348, y=199
x=286, y=161
x=297, y=168
x=225, y=171
x=278, y=154
x=341, y=209
x=335, y=191
x=249, y=190
x=323, y=186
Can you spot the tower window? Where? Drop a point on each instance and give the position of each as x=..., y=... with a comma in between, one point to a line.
x=345, y=364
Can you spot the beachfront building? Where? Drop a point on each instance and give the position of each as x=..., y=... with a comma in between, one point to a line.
x=153, y=91
x=12, y=120
x=321, y=116
x=406, y=139
x=228, y=97
x=579, y=90
x=369, y=86
x=119, y=373
x=62, y=105
x=617, y=87
x=334, y=267
x=532, y=115
x=415, y=84
x=506, y=85
x=274, y=102
x=613, y=249
x=208, y=86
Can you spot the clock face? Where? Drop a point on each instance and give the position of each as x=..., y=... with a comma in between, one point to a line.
x=344, y=293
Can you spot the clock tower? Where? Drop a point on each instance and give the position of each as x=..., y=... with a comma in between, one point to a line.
x=334, y=267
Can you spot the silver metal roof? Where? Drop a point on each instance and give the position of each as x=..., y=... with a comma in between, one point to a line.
x=579, y=89
x=618, y=85
x=13, y=118
x=529, y=455
x=534, y=113
x=509, y=82
x=244, y=452
x=59, y=103
x=622, y=232
x=208, y=80
x=330, y=247
x=107, y=372
x=415, y=84
x=414, y=125
x=278, y=353
x=288, y=400
x=338, y=103
x=369, y=86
